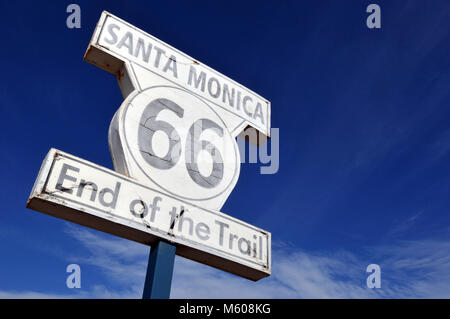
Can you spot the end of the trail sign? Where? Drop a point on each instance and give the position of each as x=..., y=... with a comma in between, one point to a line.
x=76, y=190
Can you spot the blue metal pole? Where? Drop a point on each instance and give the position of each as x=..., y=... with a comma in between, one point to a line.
x=159, y=271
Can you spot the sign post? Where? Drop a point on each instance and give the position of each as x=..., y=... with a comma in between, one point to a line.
x=159, y=271
x=175, y=156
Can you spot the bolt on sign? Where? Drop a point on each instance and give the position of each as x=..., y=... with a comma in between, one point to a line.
x=176, y=160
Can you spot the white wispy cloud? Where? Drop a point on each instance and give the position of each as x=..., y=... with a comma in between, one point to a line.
x=121, y=261
x=409, y=269
x=418, y=268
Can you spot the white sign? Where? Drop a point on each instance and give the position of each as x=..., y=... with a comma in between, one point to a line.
x=85, y=193
x=147, y=60
x=174, y=152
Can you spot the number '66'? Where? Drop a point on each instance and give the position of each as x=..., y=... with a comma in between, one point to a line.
x=148, y=126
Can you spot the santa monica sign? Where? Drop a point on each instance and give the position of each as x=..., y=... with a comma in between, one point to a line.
x=175, y=156
x=148, y=59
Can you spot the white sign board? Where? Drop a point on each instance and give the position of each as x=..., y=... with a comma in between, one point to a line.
x=174, y=150
x=85, y=193
x=126, y=51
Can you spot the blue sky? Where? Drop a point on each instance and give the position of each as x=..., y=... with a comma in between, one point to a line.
x=364, y=128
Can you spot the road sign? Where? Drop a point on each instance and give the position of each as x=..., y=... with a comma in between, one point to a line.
x=76, y=190
x=175, y=157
